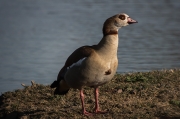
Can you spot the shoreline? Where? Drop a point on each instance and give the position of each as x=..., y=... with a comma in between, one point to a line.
x=153, y=94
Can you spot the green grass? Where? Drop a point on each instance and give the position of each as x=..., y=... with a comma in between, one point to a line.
x=175, y=102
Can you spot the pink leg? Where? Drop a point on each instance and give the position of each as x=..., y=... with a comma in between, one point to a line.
x=83, y=107
x=97, y=109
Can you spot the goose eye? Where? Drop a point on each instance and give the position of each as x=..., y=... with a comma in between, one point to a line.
x=122, y=17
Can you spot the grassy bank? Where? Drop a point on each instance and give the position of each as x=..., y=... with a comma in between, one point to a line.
x=154, y=94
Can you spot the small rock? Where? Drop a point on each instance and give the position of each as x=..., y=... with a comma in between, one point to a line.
x=171, y=70
x=48, y=94
x=24, y=117
x=22, y=84
x=33, y=83
x=158, y=85
x=119, y=91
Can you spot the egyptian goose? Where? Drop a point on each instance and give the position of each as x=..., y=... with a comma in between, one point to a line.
x=94, y=65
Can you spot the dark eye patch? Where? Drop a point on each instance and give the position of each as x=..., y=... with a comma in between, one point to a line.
x=122, y=17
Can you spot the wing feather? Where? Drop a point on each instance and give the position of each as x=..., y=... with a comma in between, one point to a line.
x=78, y=54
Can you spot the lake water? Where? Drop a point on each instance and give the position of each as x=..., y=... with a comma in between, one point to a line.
x=37, y=36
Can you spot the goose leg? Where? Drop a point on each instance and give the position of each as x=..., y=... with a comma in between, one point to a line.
x=83, y=104
x=97, y=108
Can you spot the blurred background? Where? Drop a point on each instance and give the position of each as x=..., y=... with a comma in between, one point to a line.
x=37, y=36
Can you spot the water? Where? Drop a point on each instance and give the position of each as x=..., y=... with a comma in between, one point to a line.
x=37, y=36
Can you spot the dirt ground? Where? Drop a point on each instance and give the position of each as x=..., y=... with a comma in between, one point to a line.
x=138, y=95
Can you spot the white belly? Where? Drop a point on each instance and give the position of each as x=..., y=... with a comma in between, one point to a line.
x=93, y=75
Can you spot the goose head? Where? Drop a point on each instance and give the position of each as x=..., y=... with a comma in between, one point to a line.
x=114, y=23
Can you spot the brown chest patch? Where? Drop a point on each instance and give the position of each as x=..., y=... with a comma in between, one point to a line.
x=108, y=72
x=109, y=32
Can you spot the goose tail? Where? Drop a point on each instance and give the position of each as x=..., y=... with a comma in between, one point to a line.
x=60, y=84
x=62, y=88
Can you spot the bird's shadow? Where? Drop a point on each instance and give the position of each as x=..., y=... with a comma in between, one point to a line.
x=18, y=115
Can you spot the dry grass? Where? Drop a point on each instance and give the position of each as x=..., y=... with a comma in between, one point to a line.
x=154, y=94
